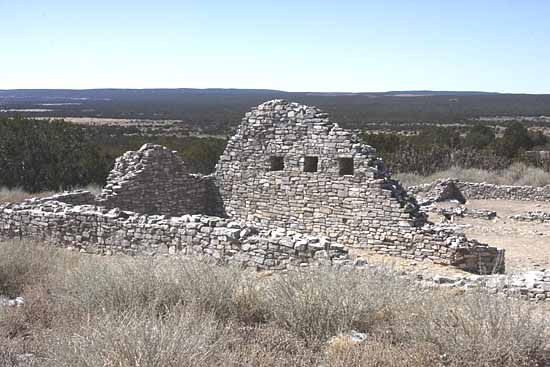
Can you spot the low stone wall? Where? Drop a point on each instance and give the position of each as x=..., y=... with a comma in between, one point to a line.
x=465, y=212
x=442, y=245
x=484, y=191
x=531, y=285
x=100, y=230
x=473, y=190
x=534, y=216
x=78, y=197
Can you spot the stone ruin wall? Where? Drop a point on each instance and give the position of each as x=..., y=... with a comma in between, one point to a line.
x=355, y=205
x=365, y=208
x=172, y=206
x=155, y=180
x=99, y=230
x=485, y=191
x=436, y=191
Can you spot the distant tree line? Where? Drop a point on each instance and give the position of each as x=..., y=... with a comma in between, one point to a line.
x=439, y=148
x=38, y=155
x=218, y=111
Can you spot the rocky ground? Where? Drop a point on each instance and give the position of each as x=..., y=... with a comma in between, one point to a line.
x=527, y=244
x=518, y=227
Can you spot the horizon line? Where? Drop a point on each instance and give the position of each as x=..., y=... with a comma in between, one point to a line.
x=274, y=90
x=383, y=92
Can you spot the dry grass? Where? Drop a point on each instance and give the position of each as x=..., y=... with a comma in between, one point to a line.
x=517, y=174
x=474, y=330
x=118, y=311
x=321, y=304
x=123, y=284
x=17, y=195
x=134, y=338
x=23, y=264
x=383, y=353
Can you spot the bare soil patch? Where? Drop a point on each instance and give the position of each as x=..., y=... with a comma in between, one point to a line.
x=527, y=244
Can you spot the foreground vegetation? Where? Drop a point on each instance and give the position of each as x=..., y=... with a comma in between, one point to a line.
x=84, y=310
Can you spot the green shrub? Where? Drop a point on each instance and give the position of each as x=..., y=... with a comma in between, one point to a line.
x=46, y=155
x=479, y=137
x=514, y=139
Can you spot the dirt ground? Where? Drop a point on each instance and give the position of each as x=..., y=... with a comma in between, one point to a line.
x=527, y=244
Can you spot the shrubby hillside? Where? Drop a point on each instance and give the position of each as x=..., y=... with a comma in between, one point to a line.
x=38, y=155
x=440, y=148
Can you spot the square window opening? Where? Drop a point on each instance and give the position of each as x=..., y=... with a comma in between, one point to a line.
x=277, y=163
x=345, y=166
x=310, y=164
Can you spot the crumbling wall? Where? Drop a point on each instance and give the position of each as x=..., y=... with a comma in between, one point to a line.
x=155, y=180
x=99, y=230
x=286, y=167
x=485, y=191
x=289, y=166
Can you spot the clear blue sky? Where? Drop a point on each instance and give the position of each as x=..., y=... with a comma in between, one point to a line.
x=346, y=45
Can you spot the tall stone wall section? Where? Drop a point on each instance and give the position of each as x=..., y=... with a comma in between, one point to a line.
x=308, y=201
x=485, y=191
x=359, y=207
x=99, y=230
x=155, y=180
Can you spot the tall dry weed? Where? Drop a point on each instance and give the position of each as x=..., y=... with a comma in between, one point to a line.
x=137, y=338
x=479, y=330
x=324, y=302
x=25, y=264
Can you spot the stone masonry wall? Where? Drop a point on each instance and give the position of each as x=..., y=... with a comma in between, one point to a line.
x=155, y=180
x=287, y=167
x=266, y=176
x=99, y=230
x=484, y=191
